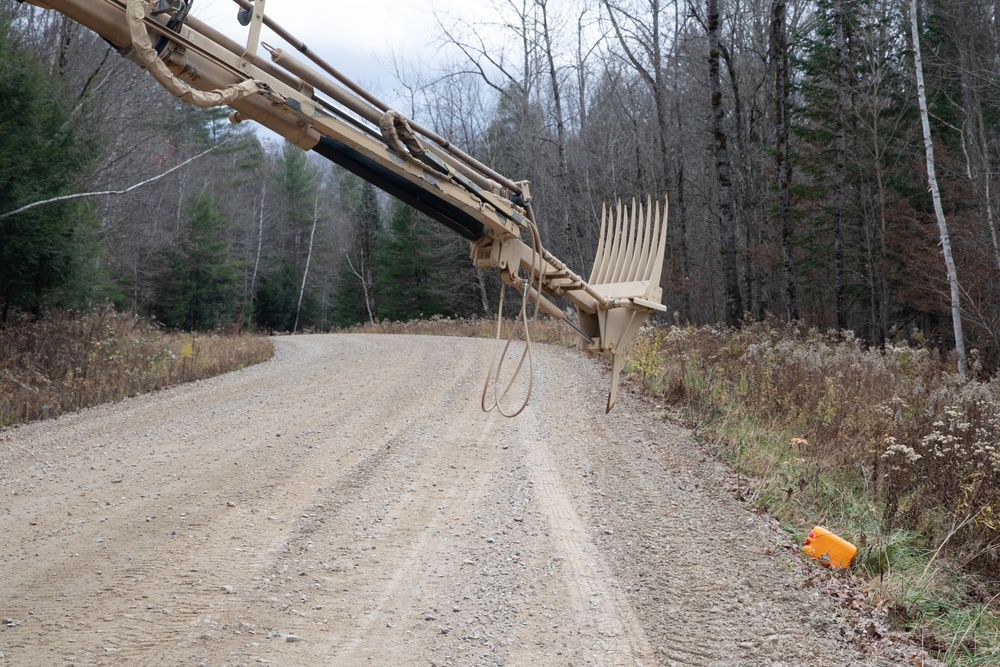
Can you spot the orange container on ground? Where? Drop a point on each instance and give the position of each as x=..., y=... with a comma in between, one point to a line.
x=828, y=548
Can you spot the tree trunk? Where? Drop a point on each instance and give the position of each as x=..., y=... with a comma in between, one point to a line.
x=949, y=261
x=557, y=110
x=256, y=262
x=988, y=185
x=841, y=168
x=783, y=166
x=647, y=60
x=723, y=170
x=305, y=272
x=680, y=217
x=581, y=75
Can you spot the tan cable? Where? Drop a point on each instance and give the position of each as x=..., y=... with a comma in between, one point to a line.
x=493, y=375
x=135, y=13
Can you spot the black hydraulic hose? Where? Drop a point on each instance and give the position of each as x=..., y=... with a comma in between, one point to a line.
x=381, y=177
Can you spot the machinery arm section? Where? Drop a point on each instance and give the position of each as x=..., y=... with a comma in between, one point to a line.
x=388, y=180
x=325, y=112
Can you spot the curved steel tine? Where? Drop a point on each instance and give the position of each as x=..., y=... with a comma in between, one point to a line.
x=650, y=256
x=632, y=237
x=599, y=257
x=607, y=243
x=641, y=260
x=623, y=227
x=611, y=246
x=657, y=268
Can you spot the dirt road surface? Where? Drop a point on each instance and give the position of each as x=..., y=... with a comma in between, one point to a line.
x=348, y=503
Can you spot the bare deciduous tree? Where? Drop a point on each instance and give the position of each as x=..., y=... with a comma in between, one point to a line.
x=949, y=260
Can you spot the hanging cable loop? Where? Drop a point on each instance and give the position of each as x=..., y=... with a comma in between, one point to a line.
x=527, y=354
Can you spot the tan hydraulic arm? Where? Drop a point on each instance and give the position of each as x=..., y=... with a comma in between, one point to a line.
x=317, y=108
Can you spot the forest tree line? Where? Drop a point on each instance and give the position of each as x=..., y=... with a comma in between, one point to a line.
x=787, y=135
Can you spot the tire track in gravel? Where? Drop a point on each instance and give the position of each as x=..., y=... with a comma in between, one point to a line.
x=608, y=620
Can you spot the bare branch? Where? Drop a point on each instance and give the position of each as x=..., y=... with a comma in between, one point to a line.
x=105, y=193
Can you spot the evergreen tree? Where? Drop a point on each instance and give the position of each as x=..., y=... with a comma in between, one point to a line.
x=404, y=268
x=275, y=306
x=41, y=251
x=201, y=285
x=298, y=188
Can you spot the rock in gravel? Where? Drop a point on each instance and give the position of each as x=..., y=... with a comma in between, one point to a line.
x=227, y=588
x=292, y=638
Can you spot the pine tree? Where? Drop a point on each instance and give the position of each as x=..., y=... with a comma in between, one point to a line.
x=201, y=288
x=405, y=268
x=275, y=306
x=298, y=189
x=40, y=250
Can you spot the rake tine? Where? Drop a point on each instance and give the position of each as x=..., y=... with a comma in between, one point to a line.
x=604, y=245
x=631, y=236
x=599, y=257
x=614, y=238
x=620, y=241
x=649, y=256
x=610, y=244
x=657, y=257
x=625, y=279
x=641, y=261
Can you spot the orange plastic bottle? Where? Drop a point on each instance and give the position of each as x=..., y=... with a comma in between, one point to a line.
x=828, y=548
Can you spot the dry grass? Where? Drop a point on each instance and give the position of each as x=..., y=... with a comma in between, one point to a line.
x=70, y=361
x=543, y=330
x=925, y=443
x=888, y=447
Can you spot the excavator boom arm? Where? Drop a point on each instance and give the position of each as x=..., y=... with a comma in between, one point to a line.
x=317, y=108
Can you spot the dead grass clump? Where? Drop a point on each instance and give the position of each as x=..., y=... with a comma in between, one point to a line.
x=66, y=362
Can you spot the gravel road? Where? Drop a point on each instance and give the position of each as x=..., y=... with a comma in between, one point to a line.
x=348, y=503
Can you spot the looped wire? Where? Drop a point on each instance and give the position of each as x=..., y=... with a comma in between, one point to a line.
x=493, y=376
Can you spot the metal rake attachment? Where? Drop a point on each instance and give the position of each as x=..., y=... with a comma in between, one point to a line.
x=627, y=272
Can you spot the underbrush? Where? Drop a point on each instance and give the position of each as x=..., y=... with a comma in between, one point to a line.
x=65, y=362
x=887, y=447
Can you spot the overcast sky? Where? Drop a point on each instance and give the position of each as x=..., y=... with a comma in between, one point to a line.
x=358, y=38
